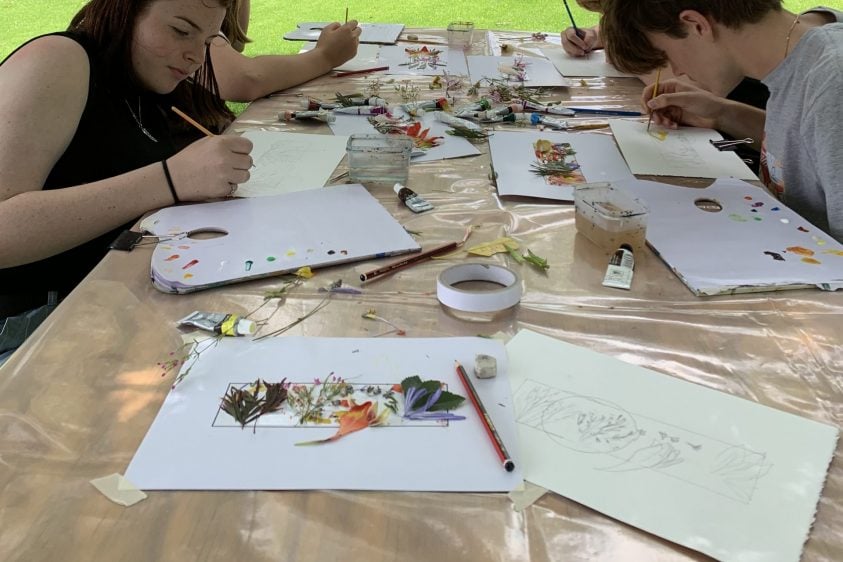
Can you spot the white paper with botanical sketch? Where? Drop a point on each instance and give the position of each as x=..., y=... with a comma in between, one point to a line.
x=379, y=33
x=683, y=152
x=594, y=64
x=549, y=164
x=539, y=71
x=450, y=147
x=423, y=60
x=287, y=162
x=366, y=57
x=753, y=243
x=193, y=445
x=710, y=471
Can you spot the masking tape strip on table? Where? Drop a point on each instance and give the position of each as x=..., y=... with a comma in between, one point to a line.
x=465, y=300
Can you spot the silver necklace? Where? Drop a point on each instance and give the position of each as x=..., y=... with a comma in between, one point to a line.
x=138, y=119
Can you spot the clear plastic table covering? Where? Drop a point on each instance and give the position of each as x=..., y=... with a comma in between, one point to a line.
x=78, y=397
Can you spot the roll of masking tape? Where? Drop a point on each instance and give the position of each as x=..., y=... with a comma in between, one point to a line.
x=469, y=300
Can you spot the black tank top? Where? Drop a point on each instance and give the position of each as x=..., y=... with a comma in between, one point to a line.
x=109, y=141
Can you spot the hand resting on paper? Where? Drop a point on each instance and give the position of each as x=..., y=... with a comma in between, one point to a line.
x=579, y=47
x=338, y=43
x=210, y=166
x=682, y=103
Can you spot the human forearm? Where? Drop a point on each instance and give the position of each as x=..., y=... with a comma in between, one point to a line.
x=242, y=78
x=37, y=224
x=741, y=121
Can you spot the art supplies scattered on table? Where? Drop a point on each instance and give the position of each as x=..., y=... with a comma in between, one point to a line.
x=460, y=34
x=423, y=60
x=621, y=266
x=539, y=72
x=378, y=33
x=375, y=158
x=713, y=472
x=594, y=65
x=733, y=237
x=360, y=110
x=549, y=165
x=395, y=266
x=220, y=323
x=287, y=162
x=505, y=291
x=449, y=146
x=609, y=217
x=683, y=152
x=270, y=236
x=397, y=442
x=483, y=415
x=411, y=199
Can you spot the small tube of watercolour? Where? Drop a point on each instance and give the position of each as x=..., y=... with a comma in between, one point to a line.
x=361, y=110
x=449, y=119
x=619, y=272
x=324, y=116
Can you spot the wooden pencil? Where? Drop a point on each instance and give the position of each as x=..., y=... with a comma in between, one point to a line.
x=655, y=93
x=190, y=120
x=412, y=260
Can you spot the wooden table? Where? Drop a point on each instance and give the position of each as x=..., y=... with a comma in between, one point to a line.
x=78, y=397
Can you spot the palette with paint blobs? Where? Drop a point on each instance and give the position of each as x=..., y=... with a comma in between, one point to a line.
x=213, y=244
x=734, y=237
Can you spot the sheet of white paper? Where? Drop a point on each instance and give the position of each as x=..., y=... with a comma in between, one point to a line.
x=381, y=33
x=451, y=147
x=684, y=152
x=754, y=243
x=287, y=162
x=524, y=43
x=593, y=65
x=597, y=159
x=713, y=472
x=269, y=236
x=423, y=60
x=193, y=445
x=540, y=72
x=366, y=57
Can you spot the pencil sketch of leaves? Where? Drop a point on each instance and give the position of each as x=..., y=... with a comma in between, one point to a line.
x=657, y=455
x=740, y=469
x=582, y=423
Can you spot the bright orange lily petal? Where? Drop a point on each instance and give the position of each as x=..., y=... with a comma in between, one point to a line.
x=355, y=419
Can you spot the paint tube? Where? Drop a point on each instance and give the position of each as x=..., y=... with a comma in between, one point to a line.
x=220, y=323
x=310, y=104
x=411, y=199
x=374, y=101
x=361, y=110
x=453, y=121
x=508, y=110
x=518, y=118
x=539, y=108
x=619, y=272
x=550, y=122
x=440, y=103
x=324, y=116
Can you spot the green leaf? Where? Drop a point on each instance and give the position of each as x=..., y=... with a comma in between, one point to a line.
x=532, y=258
x=447, y=401
x=410, y=382
x=515, y=255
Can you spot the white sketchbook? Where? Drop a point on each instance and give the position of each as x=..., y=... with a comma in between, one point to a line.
x=380, y=33
x=269, y=236
x=366, y=57
x=713, y=472
x=451, y=147
x=754, y=243
x=684, y=152
x=590, y=158
x=592, y=65
x=423, y=60
x=287, y=162
x=194, y=445
x=539, y=72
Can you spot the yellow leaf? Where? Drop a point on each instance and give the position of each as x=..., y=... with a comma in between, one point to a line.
x=304, y=272
x=499, y=246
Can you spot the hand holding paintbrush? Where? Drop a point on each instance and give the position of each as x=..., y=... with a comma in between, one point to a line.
x=577, y=41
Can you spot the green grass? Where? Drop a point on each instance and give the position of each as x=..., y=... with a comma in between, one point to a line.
x=23, y=19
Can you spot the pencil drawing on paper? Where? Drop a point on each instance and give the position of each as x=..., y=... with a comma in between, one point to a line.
x=624, y=442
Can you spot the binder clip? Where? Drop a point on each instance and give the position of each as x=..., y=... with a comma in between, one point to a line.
x=731, y=145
